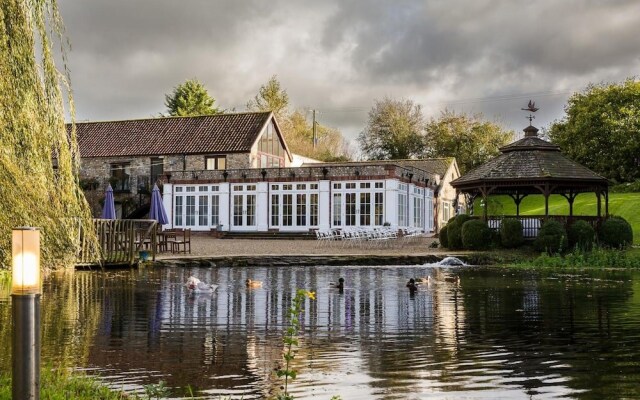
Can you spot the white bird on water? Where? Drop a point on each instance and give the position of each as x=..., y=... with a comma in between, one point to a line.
x=197, y=286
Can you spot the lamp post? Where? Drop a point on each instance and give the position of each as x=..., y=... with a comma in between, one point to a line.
x=25, y=299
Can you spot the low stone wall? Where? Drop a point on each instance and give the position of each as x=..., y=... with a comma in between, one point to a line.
x=295, y=261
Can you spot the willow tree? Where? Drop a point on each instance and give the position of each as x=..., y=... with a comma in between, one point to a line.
x=33, y=135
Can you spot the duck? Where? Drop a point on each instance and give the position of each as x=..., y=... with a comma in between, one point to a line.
x=253, y=284
x=197, y=286
x=338, y=285
x=412, y=285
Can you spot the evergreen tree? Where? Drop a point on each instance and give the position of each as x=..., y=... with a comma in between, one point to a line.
x=190, y=99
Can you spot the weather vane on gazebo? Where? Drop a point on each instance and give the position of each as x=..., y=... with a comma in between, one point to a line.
x=532, y=108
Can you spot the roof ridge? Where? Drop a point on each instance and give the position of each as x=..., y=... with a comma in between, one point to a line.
x=167, y=117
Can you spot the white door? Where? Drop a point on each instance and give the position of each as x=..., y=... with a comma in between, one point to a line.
x=244, y=212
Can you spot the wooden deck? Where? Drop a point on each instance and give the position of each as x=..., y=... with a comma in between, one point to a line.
x=120, y=242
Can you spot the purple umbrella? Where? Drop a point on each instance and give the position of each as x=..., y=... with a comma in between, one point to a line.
x=109, y=209
x=157, y=211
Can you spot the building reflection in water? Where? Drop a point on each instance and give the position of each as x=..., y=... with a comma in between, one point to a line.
x=517, y=336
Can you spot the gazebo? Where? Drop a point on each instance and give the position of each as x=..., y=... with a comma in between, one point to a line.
x=534, y=166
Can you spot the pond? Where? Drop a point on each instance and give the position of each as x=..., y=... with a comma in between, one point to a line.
x=498, y=333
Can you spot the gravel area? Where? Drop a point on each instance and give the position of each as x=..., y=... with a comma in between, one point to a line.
x=207, y=246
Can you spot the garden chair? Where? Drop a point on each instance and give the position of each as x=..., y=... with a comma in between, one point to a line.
x=182, y=238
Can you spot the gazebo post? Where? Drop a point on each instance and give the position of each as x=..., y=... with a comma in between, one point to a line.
x=485, y=199
x=598, y=193
x=571, y=199
x=606, y=202
x=546, y=200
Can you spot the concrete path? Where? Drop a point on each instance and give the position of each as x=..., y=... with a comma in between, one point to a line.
x=207, y=246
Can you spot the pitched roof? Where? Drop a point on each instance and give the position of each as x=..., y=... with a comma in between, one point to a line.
x=434, y=166
x=529, y=159
x=221, y=133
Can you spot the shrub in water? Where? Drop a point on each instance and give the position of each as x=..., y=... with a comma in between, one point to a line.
x=476, y=235
x=454, y=232
x=552, y=238
x=442, y=236
x=616, y=233
x=581, y=235
x=511, y=233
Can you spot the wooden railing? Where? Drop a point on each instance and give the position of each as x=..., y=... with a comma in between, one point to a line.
x=120, y=241
x=531, y=223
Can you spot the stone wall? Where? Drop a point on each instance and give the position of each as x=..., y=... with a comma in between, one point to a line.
x=196, y=162
x=320, y=172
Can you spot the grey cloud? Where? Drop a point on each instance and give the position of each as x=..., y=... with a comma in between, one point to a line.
x=339, y=56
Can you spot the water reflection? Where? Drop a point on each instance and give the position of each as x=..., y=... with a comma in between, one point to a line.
x=497, y=334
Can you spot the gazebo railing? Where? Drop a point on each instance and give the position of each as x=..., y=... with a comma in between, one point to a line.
x=531, y=223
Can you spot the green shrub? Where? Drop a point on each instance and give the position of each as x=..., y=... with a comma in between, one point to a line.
x=476, y=235
x=616, y=233
x=442, y=236
x=454, y=232
x=552, y=238
x=581, y=235
x=511, y=233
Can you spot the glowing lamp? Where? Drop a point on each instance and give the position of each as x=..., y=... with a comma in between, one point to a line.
x=26, y=261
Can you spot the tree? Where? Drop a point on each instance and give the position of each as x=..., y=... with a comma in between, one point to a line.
x=297, y=131
x=190, y=99
x=271, y=97
x=395, y=130
x=468, y=138
x=601, y=129
x=33, y=134
x=330, y=145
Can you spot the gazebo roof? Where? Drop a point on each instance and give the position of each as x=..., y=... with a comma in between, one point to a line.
x=527, y=163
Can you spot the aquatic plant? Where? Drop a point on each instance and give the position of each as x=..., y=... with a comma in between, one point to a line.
x=61, y=383
x=291, y=339
x=598, y=258
x=39, y=158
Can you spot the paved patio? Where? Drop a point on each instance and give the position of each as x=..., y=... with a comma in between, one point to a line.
x=207, y=246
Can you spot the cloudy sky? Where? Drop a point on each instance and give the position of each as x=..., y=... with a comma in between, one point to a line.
x=338, y=56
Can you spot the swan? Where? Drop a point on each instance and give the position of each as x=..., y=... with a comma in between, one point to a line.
x=338, y=285
x=253, y=284
x=197, y=286
x=421, y=281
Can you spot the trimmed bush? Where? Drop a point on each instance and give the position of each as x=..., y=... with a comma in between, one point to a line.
x=442, y=236
x=616, y=233
x=552, y=238
x=511, y=233
x=476, y=235
x=581, y=235
x=454, y=232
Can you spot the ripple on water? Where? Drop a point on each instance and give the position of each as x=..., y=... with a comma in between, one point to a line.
x=498, y=334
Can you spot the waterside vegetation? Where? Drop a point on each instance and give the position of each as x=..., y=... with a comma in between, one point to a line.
x=39, y=160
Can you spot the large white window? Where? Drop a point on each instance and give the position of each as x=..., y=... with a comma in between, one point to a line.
x=294, y=206
x=337, y=209
x=196, y=207
x=403, y=211
x=358, y=204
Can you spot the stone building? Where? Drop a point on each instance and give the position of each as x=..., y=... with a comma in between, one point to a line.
x=234, y=172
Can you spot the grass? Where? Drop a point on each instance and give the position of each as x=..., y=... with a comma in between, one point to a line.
x=626, y=205
x=61, y=384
